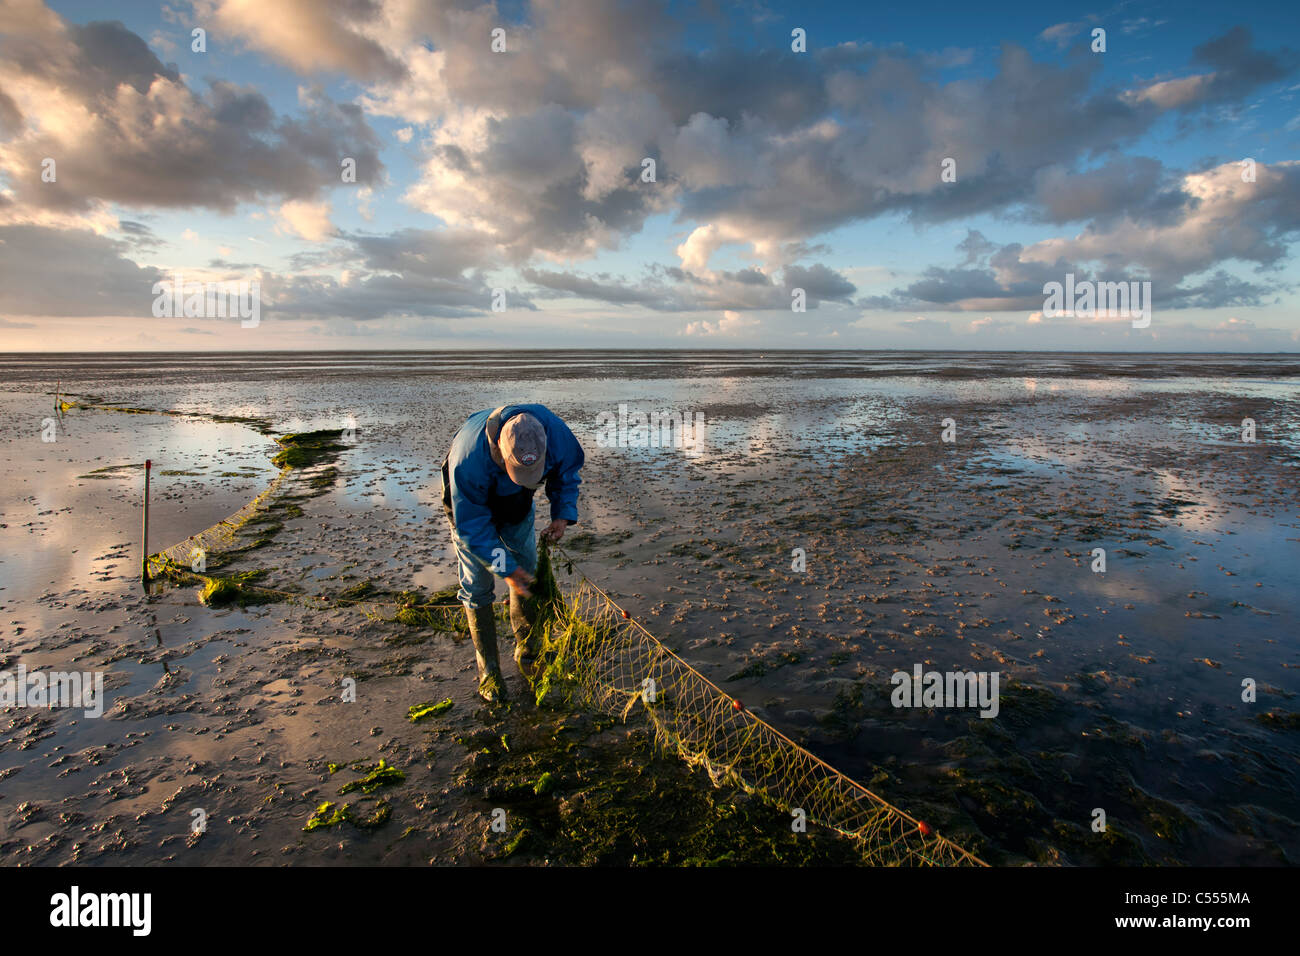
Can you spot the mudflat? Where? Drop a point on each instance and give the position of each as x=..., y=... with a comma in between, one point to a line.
x=815, y=537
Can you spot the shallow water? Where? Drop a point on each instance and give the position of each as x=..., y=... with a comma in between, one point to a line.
x=1123, y=689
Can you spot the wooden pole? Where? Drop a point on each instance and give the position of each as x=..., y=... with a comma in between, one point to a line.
x=144, y=542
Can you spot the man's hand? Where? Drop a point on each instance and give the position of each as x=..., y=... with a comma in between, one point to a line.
x=555, y=530
x=519, y=579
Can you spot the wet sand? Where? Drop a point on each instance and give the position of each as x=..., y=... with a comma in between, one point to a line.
x=1120, y=690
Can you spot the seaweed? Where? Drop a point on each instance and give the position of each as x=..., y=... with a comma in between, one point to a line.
x=381, y=775
x=419, y=712
x=304, y=449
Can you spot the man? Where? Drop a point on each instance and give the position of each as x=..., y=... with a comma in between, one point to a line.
x=497, y=461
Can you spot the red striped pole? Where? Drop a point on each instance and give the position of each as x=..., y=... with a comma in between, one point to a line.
x=144, y=542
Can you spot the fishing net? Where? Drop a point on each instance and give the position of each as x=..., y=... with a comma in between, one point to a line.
x=599, y=656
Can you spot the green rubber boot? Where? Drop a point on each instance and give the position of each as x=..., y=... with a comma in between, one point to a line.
x=523, y=613
x=483, y=632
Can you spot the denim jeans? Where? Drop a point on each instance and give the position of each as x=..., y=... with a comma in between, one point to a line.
x=477, y=582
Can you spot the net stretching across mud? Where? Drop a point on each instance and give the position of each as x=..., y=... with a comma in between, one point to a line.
x=597, y=653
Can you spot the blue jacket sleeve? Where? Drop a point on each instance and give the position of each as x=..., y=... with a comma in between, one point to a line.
x=562, y=486
x=469, y=498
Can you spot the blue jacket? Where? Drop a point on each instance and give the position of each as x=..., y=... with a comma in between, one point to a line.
x=475, y=477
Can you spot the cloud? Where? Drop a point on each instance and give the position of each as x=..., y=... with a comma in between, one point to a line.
x=731, y=323
x=1061, y=33
x=122, y=127
x=409, y=273
x=305, y=219
x=531, y=159
x=679, y=290
x=308, y=35
x=66, y=272
x=600, y=289
x=991, y=325
x=1238, y=70
x=1175, y=241
x=927, y=327
x=541, y=146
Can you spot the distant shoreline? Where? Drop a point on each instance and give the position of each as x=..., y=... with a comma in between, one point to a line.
x=643, y=350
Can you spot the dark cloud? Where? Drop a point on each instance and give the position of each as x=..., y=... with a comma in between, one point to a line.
x=139, y=236
x=11, y=117
x=819, y=282
x=782, y=90
x=669, y=289
x=224, y=265
x=413, y=272
x=384, y=296
x=1138, y=187
x=602, y=288
x=47, y=271
x=1239, y=68
x=110, y=54
x=421, y=252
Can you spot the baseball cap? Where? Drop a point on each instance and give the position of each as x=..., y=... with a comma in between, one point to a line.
x=523, y=449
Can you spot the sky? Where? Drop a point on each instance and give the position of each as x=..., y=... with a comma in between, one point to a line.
x=429, y=174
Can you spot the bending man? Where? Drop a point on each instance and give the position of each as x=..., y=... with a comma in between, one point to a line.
x=497, y=461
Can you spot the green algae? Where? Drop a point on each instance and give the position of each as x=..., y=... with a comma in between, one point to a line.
x=113, y=471
x=419, y=712
x=548, y=601
x=96, y=403
x=304, y=449
x=235, y=589
x=357, y=592
x=517, y=842
x=613, y=797
x=382, y=813
x=324, y=480
x=381, y=775
x=328, y=814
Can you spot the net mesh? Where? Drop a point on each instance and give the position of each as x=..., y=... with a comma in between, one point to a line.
x=608, y=661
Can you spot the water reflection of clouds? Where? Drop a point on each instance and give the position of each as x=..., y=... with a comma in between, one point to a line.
x=65, y=530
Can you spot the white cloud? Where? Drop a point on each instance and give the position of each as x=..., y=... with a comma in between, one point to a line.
x=730, y=324
x=306, y=219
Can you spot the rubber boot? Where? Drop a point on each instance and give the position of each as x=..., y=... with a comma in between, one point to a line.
x=483, y=632
x=523, y=613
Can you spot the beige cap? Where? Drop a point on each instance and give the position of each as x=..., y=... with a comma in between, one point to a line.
x=523, y=449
